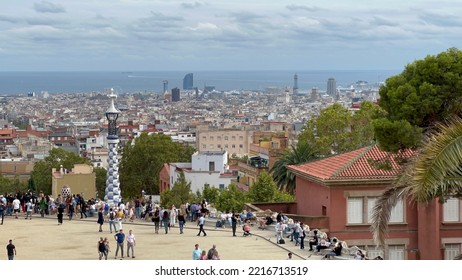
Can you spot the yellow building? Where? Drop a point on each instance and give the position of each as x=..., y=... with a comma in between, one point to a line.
x=81, y=180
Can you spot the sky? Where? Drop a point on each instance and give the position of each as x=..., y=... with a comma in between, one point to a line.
x=169, y=35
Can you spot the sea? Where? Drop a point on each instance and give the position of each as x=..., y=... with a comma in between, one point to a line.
x=21, y=83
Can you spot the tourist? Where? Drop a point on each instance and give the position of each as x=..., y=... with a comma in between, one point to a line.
x=100, y=220
x=165, y=220
x=2, y=207
x=196, y=254
x=314, y=241
x=336, y=251
x=201, y=223
x=156, y=219
x=111, y=218
x=289, y=256
x=302, y=235
x=131, y=243
x=16, y=205
x=29, y=208
x=101, y=247
x=138, y=208
x=234, y=223
x=181, y=220
x=71, y=210
x=212, y=251
x=173, y=216
x=60, y=213
x=203, y=256
x=120, y=238
x=10, y=250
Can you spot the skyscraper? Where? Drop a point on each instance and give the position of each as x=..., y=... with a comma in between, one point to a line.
x=331, y=87
x=188, y=81
x=175, y=94
x=295, y=88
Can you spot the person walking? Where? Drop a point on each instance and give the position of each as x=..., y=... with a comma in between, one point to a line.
x=201, y=223
x=16, y=207
x=112, y=222
x=2, y=208
x=10, y=250
x=101, y=246
x=120, y=238
x=100, y=220
x=29, y=208
x=234, y=223
x=181, y=221
x=60, y=213
x=156, y=220
x=166, y=220
x=131, y=243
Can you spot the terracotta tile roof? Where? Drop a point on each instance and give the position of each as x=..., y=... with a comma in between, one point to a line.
x=365, y=163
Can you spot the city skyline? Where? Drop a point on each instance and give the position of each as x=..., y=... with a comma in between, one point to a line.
x=132, y=35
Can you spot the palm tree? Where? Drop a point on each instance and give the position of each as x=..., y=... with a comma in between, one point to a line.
x=436, y=172
x=301, y=153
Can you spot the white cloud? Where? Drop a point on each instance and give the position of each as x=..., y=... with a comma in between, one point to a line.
x=48, y=7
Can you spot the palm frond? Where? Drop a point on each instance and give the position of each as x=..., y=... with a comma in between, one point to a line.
x=440, y=159
x=382, y=211
x=458, y=257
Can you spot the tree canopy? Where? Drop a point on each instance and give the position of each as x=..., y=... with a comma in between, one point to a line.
x=179, y=194
x=265, y=190
x=337, y=130
x=143, y=159
x=426, y=92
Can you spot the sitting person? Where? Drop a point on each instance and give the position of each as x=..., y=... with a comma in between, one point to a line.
x=337, y=251
x=246, y=229
x=314, y=241
x=323, y=244
x=269, y=220
x=250, y=216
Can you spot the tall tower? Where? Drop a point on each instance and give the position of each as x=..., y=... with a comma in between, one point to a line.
x=112, y=191
x=165, y=83
x=331, y=87
x=295, y=89
x=188, y=81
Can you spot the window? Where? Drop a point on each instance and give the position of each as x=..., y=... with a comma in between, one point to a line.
x=373, y=252
x=451, y=210
x=451, y=250
x=204, y=146
x=211, y=146
x=204, y=138
x=226, y=146
x=396, y=252
x=241, y=146
x=211, y=166
x=233, y=146
x=355, y=210
x=226, y=138
x=233, y=138
x=397, y=213
x=241, y=138
x=222, y=186
x=211, y=138
x=219, y=146
x=370, y=208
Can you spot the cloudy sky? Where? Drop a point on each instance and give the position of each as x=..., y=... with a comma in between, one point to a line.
x=126, y=35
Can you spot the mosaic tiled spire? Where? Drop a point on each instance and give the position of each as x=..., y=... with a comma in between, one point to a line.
x=112, y=191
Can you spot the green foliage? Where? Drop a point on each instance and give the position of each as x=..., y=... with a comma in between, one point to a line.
x=210, y=194
x=285, y=180
x=100, y=181
x=11, y=185
x=393, y=136
x=177, y=195
x=336, y=130
x=427, y=91
x=41, y=174
x=143, y=159
x=264, y=189
x=231, y=199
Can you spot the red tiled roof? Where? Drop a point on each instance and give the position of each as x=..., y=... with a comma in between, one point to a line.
x=364, y=163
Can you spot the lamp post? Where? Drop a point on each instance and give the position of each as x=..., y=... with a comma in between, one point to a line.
x=112, y=193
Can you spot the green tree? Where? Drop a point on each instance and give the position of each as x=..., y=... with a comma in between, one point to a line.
x=264, y=189
x=144, y=157
x=301, y=153
x=426, y=92
x=433, y=173
x=8, y=185
x=101, y=174
x=41, y=174
x=210, y=194
x=179, y=194
x=337, y=130
x=231, y=199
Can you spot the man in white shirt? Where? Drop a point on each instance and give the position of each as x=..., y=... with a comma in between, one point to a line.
x=130, y=243
x=201, y=223
x=16, y=204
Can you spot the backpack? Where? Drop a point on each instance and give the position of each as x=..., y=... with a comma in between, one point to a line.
x=111, y=216
x=281, y=241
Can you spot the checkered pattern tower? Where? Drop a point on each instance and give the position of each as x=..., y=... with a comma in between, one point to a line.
x=112, y=191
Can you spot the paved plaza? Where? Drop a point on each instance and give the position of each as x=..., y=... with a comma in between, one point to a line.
x=43, y=239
